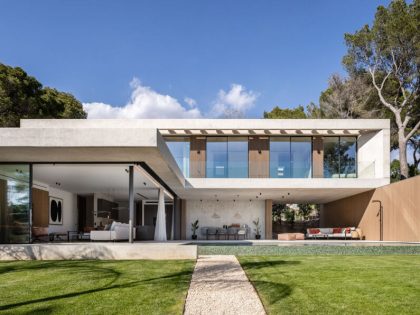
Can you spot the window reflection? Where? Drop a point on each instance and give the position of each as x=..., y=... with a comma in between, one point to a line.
x=280, y=157
x=180, y=150
x=340, y=157
x=301, y=157
x=238, y=157
x=290, y=157
x=14, y=203
x=217, y=157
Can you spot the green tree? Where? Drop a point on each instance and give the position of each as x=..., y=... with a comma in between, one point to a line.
x=286, y=113
x=305, y=210
x=22, y=96
x=389, y=51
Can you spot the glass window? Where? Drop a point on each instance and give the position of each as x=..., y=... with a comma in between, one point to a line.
x=280, y=157
x=340, y=157
x=180, y=149
x=238, y=157
x=331, y=157
x=14, y=203
x=217, y=157
x=348, y=157
x=301, y=157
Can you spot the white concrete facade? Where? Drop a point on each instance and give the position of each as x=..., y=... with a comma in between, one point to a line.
x=142, y=140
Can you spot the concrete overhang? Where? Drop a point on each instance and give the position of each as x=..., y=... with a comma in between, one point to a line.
x=72, y=145
x=200, y=126
x=288, y=190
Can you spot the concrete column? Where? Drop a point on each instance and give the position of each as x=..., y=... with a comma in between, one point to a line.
x=160, y=229
x=183, y=219
x=177, y=218
x=268, y=219
x=131, y=202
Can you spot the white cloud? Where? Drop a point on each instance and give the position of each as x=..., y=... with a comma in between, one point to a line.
x=144, y=103
x=234, y=103
x=190, y=101
x=147, y=103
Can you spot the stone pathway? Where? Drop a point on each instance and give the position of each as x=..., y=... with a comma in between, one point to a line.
x=219, y=286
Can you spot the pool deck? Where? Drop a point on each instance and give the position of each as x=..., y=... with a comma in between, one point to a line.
x=153, y=250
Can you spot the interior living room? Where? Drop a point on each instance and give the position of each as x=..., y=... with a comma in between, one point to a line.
x=90, y=202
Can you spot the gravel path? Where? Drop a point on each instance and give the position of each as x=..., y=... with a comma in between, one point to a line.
x=220, y=286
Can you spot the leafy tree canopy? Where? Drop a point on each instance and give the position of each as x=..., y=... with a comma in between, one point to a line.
x=286, y=113
x=22, y=96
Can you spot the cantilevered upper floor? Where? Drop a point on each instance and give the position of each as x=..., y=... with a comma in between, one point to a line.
x=206, y=157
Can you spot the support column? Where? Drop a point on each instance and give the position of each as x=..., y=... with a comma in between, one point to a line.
x=160, y=229
x=268, y=219
x=183, y=219
x=130, y=202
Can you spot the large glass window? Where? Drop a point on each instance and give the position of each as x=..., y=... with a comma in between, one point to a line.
x=238, y=157
x=227, y=157
x=301, y=157
x=290, y=157
x=217, y=157
x=348, y=157
x=340, y=157
x=331, y=157
x=180, y=149
x=14, y=203
x=280, y=157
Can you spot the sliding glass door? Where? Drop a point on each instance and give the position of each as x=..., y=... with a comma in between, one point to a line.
x=14, y=203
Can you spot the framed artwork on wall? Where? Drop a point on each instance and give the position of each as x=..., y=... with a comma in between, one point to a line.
x=56, y=211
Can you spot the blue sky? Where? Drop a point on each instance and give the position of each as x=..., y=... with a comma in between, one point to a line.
x=191, y=58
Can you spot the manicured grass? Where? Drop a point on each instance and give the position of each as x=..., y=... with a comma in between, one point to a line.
x=94, y=287
x=274, y=250
x=299, y=284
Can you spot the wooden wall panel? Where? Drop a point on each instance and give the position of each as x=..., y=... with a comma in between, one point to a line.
x=401, y=212
x=318, y=157
x=259, y=157
x=198, y=157
x=268, y=219
x=40, y=200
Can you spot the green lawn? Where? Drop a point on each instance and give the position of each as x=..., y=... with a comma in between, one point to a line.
x=321, y=284
x=94, y=287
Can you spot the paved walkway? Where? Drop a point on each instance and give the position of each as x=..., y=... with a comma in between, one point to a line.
x=220, y=286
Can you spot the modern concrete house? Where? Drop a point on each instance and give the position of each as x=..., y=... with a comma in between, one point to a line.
x=160, y=175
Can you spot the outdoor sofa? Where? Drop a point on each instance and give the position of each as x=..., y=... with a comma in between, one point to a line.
x=115, y=232
x=341, y=233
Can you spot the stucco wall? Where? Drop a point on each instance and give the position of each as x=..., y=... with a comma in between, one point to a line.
x=401, y=212
x=228, y=212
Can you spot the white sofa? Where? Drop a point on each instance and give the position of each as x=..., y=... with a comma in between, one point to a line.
x=117, y=232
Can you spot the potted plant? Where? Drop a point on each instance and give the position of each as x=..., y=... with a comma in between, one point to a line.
x=257, y=228
x=194, y=228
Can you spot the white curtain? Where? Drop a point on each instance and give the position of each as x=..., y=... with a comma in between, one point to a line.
x=160, y=229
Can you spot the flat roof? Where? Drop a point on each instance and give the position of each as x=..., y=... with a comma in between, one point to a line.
x=219, y=124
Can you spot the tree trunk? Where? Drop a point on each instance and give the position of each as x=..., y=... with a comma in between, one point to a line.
x=402, y=146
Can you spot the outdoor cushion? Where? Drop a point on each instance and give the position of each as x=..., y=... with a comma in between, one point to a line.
x=337, y=230
x=314, y=231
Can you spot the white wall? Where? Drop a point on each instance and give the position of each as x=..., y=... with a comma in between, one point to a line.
x=373, y=157
x=70, y=213
x=229, y=212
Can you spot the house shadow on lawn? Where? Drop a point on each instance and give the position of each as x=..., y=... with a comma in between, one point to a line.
x=87, y=266
x=270, y=292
